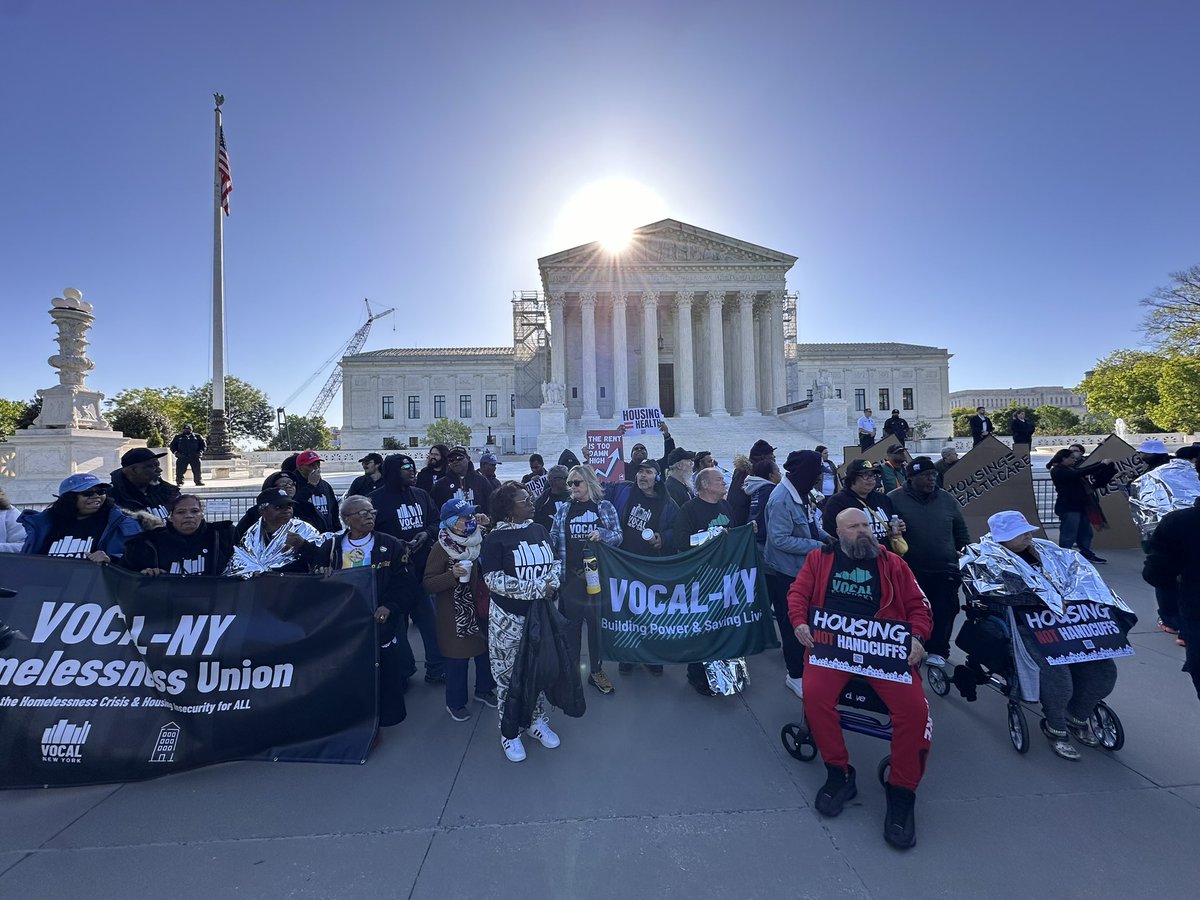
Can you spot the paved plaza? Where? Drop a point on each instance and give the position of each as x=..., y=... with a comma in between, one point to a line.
x=656, y=792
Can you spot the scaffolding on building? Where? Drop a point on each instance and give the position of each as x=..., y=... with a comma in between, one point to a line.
x=790, y=349
x=531, y=345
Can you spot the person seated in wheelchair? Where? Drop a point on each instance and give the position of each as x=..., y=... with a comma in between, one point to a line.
x=858, y=577
x=1020, y=577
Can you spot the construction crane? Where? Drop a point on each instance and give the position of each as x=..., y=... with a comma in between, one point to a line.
x=334, y=381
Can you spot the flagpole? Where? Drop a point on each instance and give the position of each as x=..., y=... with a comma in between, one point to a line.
x=218, y=440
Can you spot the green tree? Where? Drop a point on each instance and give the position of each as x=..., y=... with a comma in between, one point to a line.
x=1053, y=420
x=449, y=432
x=10, y=414
x=302, y=433
x=1124, y=384
x=248, y=412
x=390, y=443
x=1178, y=408
x=960, y=414
x=1173, y=322
x=1002, y=418
x=1097, y=423
x=143, y=422
x=33, y=409
x=170, y=402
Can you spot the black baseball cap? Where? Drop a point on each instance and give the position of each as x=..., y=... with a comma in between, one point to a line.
x=458, y=451
x=861, y=467
x=648, y=464
x=140, y=455
x=373, y=457
x=919, y=465
x=275, y=497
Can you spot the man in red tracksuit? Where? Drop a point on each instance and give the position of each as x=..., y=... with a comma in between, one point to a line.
x=858, y=577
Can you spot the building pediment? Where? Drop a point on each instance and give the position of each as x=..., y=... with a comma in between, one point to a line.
x=671, y=244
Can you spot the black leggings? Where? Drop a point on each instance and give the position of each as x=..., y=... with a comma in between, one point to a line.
x=580, y=607
x=793, y=652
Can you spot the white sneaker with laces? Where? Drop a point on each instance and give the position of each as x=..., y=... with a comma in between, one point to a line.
x=795, y=685
x=934, y=660
x=514, y=749
x=540, y=730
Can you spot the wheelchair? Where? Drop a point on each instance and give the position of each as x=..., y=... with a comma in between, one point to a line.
x=985, y=638
x=860, y=710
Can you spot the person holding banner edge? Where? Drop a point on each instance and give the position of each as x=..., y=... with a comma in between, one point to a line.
x=857, y=577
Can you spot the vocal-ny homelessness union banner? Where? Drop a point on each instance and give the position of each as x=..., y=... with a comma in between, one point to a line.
x=707, y=603
x=121, y=677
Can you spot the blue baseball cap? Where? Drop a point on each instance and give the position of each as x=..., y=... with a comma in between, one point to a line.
x=488, y=457
x=80, y=482
x=455, y=507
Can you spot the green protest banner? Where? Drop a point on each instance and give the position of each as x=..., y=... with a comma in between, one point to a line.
x=707, y=603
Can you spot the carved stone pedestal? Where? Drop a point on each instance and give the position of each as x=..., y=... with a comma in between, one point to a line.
x=33, y=462
x=552, y=431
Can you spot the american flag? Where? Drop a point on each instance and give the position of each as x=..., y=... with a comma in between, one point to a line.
x=223, y=168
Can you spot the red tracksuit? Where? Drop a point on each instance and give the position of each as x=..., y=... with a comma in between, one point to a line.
x=901, y=600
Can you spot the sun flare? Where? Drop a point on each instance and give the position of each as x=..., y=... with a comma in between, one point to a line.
x=607, y=211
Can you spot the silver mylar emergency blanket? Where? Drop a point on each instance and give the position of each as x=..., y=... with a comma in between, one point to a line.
x=1064, y=575
x=727, y=676
x=1172, y=486
x=253, y=557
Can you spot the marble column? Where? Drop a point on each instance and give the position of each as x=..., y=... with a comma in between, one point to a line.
x=587, y=309
x=716, y=353
x=558, y=341
x=778, y=368
x=747, y=369
x=685, y=400
x=650, y=350
x=620, y=340
x=763, y=337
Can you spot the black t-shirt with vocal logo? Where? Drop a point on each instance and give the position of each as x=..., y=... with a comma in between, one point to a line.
x=77, y=538
x=524, y=554
x=582, y=520
x=853, y=586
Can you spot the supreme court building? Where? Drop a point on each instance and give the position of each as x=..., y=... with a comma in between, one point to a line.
x=694, y=322
x=681, y=318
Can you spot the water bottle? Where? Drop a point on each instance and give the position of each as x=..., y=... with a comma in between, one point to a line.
x=591, y=571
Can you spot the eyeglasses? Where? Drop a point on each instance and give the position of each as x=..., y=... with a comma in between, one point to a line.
x=575, y=483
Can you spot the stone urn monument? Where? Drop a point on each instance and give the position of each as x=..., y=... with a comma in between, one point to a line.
x=70, y=435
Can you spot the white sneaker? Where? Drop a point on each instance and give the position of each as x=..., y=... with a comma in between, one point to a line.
x=514, y=749
x=795, y=685
x=541, y=731
x=936, y=661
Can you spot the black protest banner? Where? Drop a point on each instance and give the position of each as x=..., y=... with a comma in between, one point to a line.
x=1119, y=531
x=124, y=677
x=1082, y=633
x=875, y=648
x=991, y=478
x=707, y=603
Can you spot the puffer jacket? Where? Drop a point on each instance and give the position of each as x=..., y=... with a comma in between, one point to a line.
x=120, y=527
x=543, y=665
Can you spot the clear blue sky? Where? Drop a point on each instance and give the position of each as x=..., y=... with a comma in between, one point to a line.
x=1002, y=179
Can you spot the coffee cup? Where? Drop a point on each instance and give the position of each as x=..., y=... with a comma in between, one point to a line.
x=647, y=534
x=466, y=564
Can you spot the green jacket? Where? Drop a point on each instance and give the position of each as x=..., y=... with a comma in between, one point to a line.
x=936, y=529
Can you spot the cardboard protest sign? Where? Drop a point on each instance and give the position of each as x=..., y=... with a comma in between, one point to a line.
x=603, y=449
x=876, y=453
x=1084, y=632
x=875, y=648
x=991, y=478
x=642, y=419
x=1121, y=533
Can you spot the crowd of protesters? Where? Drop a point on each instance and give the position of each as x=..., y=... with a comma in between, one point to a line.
x=467, y=558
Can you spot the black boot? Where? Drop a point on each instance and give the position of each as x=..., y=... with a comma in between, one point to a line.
x=838, y=788
x=964, y=680
x=900, y=823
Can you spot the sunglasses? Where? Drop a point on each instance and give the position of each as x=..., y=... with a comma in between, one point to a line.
x=575, y=483
x=94, y=492
x=407, y=466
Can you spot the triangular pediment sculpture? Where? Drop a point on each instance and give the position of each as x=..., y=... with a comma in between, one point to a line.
x=671, y=243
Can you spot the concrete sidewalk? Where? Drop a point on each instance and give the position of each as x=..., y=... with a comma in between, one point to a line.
x=655, y=792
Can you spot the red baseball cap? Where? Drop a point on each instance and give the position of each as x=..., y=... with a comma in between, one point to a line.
x=307, y=458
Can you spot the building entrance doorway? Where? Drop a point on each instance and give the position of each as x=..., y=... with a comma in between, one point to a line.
x=666, y=389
